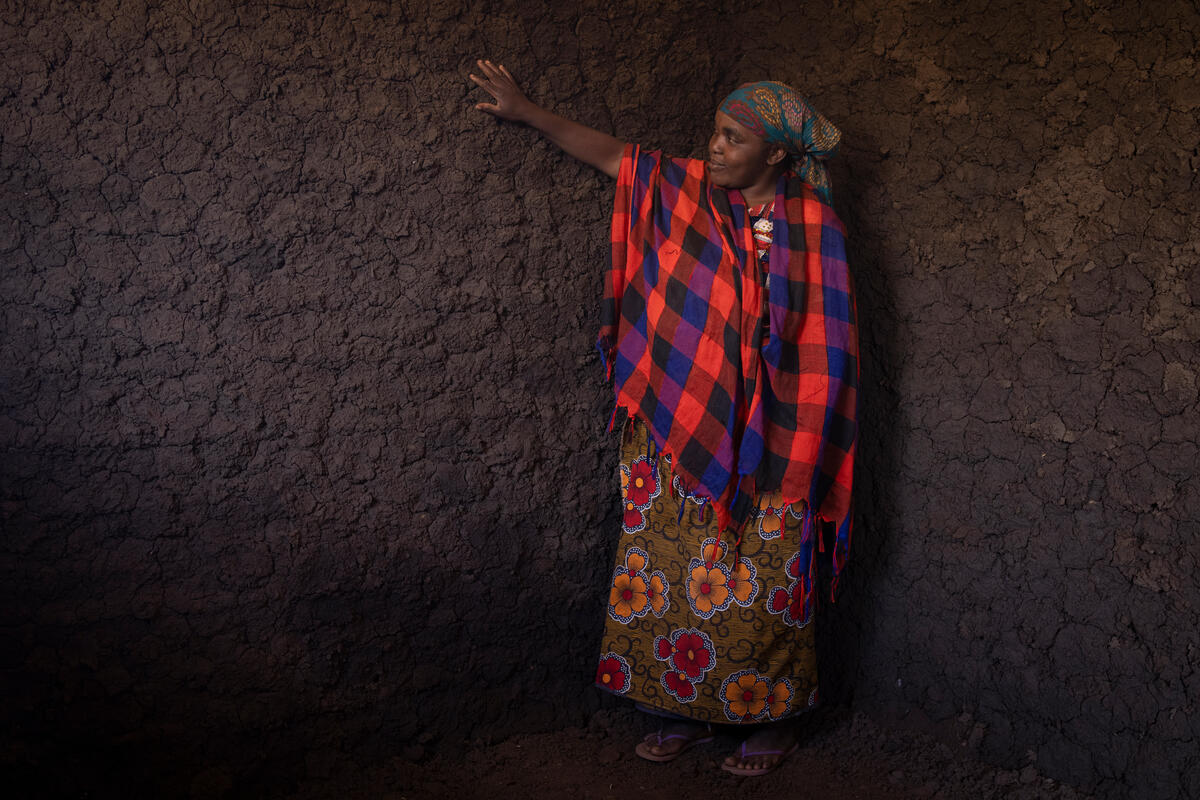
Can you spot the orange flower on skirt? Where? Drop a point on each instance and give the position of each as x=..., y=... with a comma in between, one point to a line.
x=742, y=582
x=627, y=598
x=657, y=593
x=745, y=695
x=770, y=524
x=707, y=588
x=770, y=516
x=633, y=592
x=780, y=698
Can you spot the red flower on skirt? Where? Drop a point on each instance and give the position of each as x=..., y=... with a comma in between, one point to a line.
x=677, y=684
x=633, y=520
x=689, y=654
x=613, y=673
x=790, y=602
x=793, y=602
x=792, y=567
x=643, y=483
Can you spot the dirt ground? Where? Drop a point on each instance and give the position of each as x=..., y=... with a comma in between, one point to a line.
x=846, y=756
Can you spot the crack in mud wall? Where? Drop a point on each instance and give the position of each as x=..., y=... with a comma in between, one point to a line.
x=301, y=423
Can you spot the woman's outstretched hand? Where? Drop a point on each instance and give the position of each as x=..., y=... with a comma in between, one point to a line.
x=511, y=103
x=586, y=144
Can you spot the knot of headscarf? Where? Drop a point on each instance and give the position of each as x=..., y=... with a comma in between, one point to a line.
x=777, y=112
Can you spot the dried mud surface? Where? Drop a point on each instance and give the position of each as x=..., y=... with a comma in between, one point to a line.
x=845, y=756
x=301, y=425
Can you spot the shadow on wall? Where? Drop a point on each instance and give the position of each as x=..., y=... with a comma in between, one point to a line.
x=842, y=632
x=179, y=686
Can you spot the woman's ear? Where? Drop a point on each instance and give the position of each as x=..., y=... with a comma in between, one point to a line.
x=776, y=155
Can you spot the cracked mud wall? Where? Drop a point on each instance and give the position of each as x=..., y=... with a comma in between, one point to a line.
x=301, y=422
x=1029, y=238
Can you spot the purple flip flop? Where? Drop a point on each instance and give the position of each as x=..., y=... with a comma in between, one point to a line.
x=643, y=747
x=750, y=773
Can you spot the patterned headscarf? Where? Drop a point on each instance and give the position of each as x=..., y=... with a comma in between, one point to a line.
x=777, y=112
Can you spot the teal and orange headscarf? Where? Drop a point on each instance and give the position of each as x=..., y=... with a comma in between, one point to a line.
x=777, y=112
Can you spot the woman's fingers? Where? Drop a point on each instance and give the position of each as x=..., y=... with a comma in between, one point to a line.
x=491, y=89
x=497, y=81
x=498, y=74
x=490, y=69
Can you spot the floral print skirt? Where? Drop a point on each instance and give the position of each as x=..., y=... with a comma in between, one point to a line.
x=695, y=628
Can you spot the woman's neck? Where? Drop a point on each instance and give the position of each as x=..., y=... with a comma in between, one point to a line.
x=764, y=190
x=753, y=198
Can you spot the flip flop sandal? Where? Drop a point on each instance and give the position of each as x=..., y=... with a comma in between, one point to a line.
x=747, y=772
x=657, y=739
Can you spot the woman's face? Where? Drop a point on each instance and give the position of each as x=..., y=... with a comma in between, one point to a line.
x=737, y=157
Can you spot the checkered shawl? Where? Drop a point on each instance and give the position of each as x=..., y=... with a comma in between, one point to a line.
x=683, y=309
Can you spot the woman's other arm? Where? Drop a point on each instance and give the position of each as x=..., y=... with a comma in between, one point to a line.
x=586, y=144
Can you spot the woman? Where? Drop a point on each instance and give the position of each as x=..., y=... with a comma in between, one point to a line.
x=728, y=330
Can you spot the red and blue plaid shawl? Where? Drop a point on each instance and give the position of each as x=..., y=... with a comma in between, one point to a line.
x=682, y=313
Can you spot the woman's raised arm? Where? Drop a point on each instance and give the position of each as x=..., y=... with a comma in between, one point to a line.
x=589, y=145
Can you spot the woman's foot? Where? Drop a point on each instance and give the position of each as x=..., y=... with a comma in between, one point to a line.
x=671, y=740
x=763, y=751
